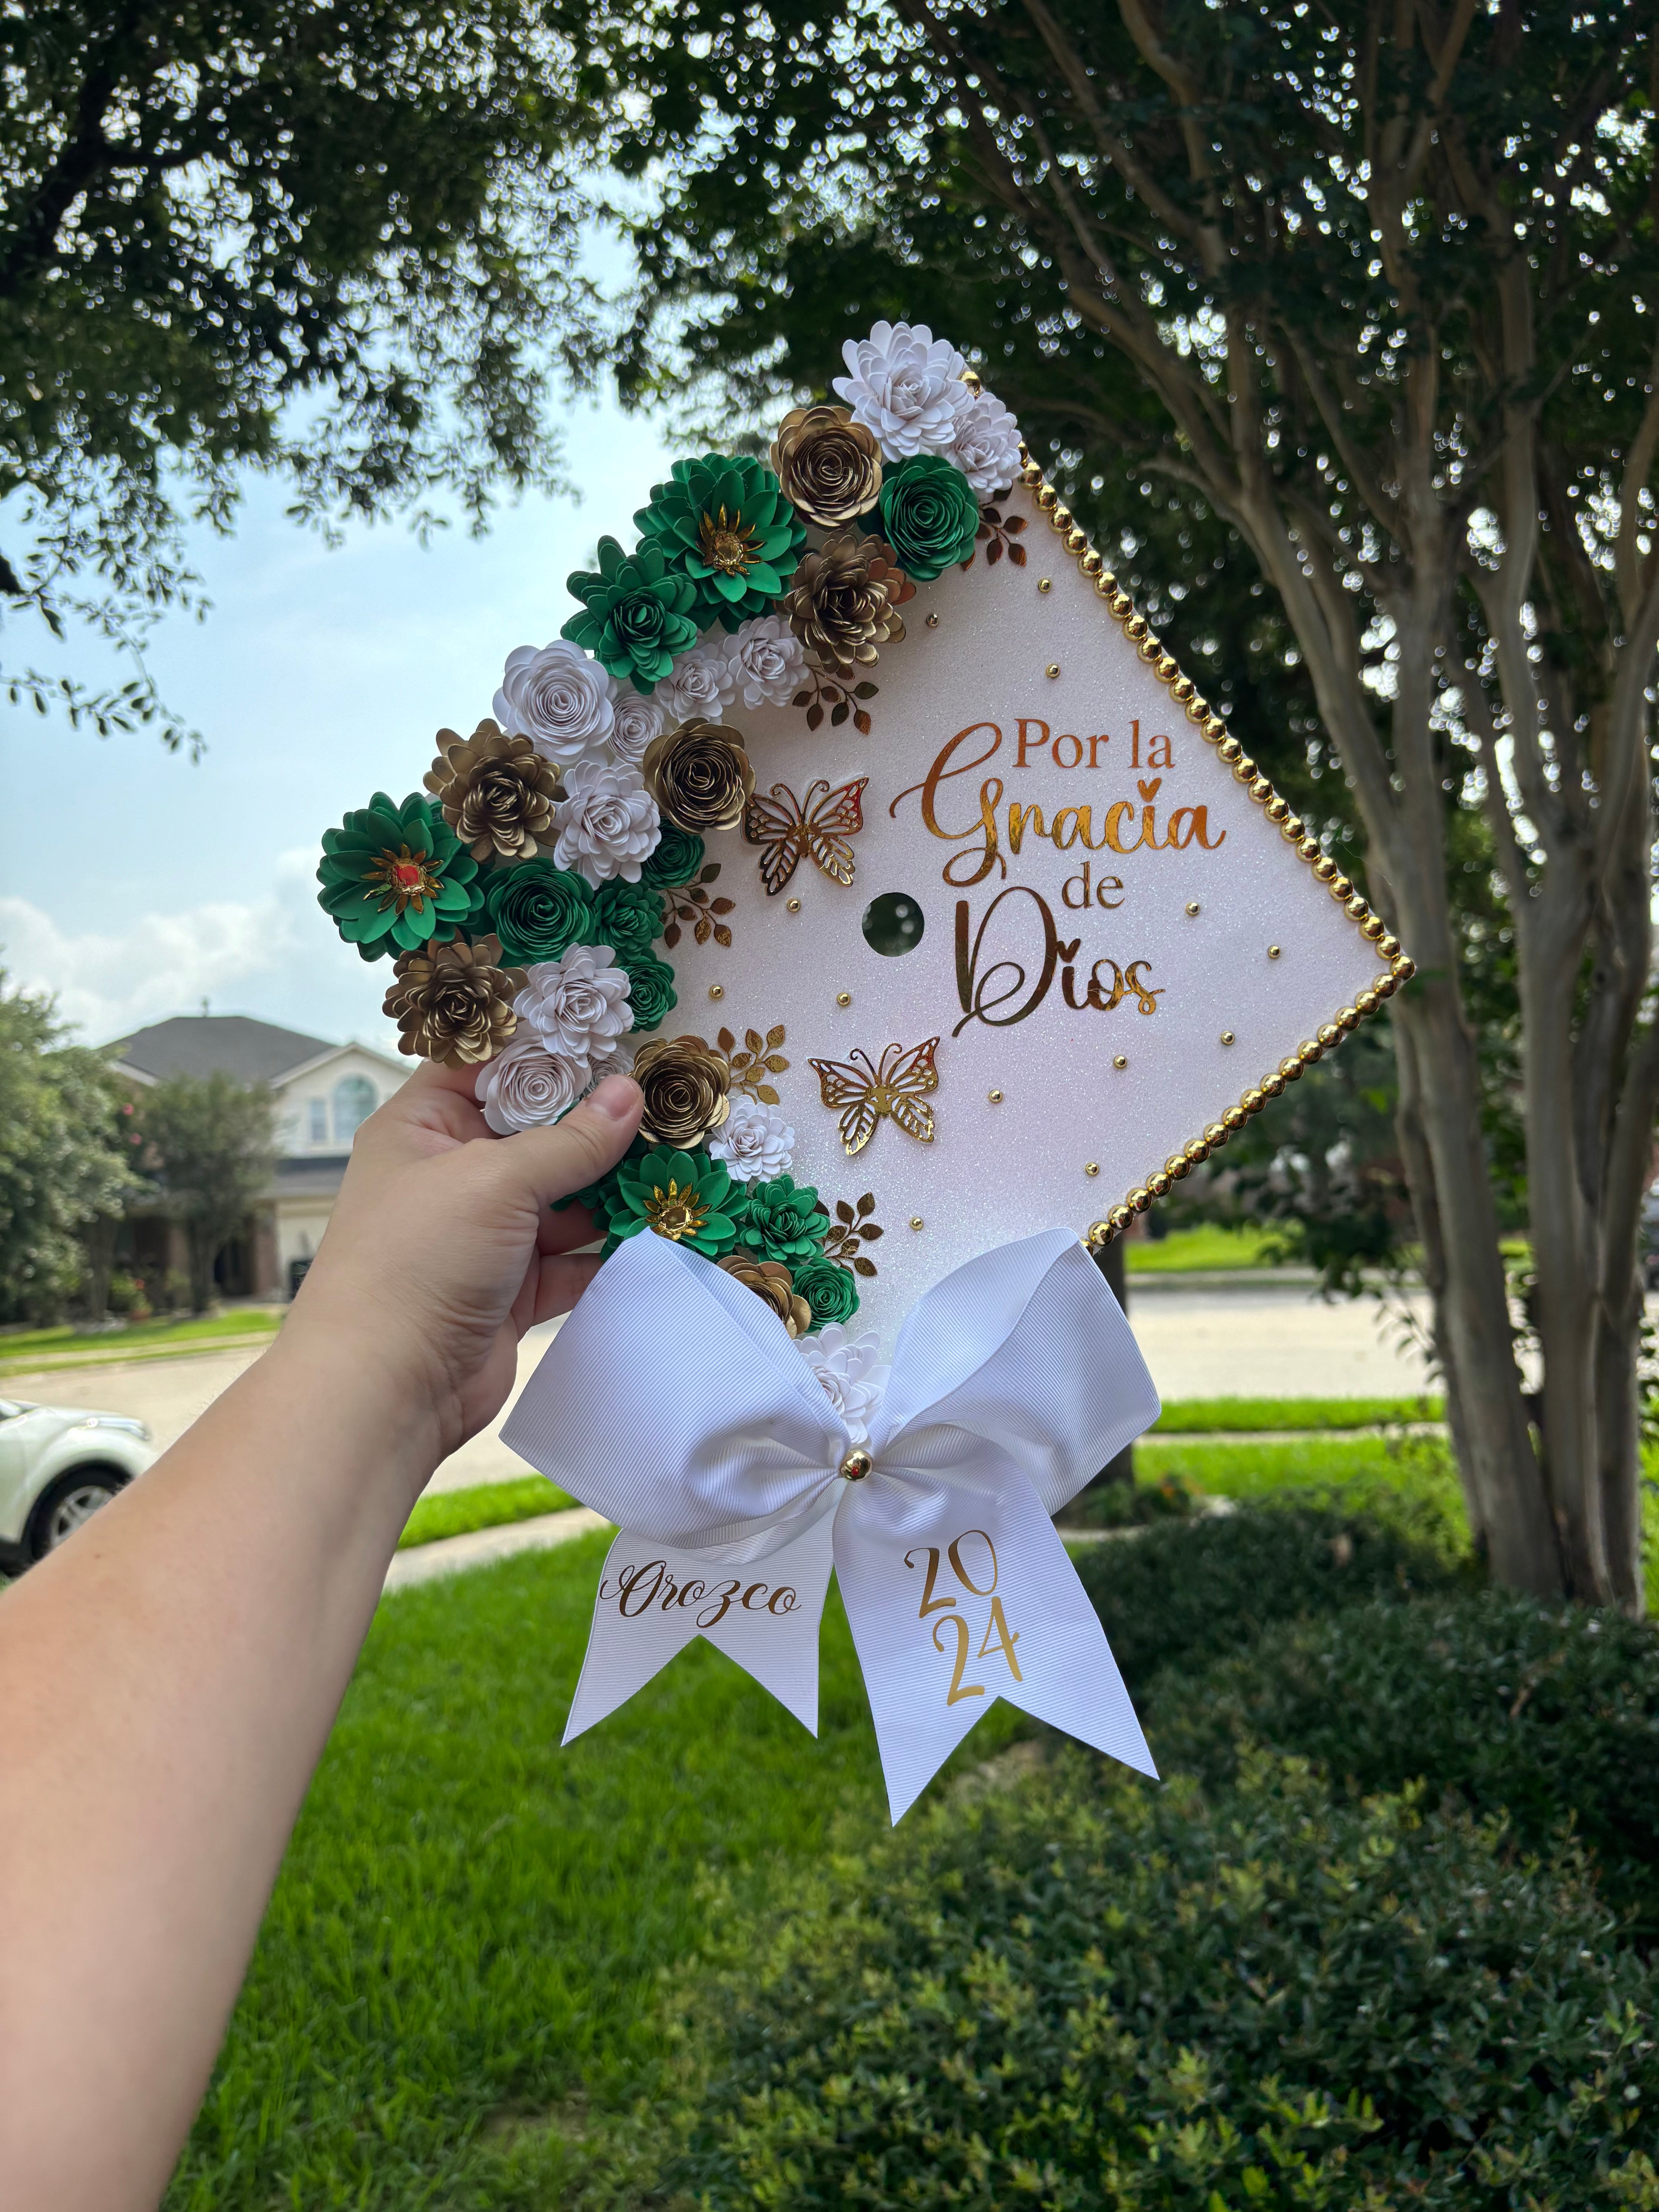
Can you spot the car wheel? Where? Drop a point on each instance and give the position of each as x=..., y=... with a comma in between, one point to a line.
x=73, y=1499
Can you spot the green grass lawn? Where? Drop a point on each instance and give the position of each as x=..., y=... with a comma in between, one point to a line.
x=1205, y=1248
x=486, y=1505
x=1194, y=1416
x=64, y=1347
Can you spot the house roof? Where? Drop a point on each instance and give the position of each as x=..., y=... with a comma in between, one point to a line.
x=217, y=1044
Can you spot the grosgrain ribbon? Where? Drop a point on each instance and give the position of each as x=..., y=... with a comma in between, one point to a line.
x=674, y=1402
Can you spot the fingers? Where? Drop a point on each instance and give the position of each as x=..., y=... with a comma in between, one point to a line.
x=566, y=1231
x=443, y=1098
x=593, y=1137
x=561, y=1282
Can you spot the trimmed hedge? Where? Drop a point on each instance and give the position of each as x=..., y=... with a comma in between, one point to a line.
x=1095, y=1992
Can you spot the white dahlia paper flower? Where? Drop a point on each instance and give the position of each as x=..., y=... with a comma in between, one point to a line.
x=606, y=824
x=700, y=685
x=576, y=1006
x=754, y=1143
x=558, y=698
x=849, y=1368
x=767, y=662
x=905, y=386
x=635, y=720
x=526, y=1086
x=986, y=448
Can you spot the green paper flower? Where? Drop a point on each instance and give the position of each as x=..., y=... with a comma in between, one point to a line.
x=538, y=911
x=677, y=857
x=783, y=1221
x=650, y=989
x=832, y=1292
x=723, y=523
x=628, y=917
x=636, y=612
x=395, y=878
x=929, y=515
x=680, y=1195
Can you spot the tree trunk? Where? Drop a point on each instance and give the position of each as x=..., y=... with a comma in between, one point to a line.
x=1113, y=1264
x=204, y=1246
x=98, y=1246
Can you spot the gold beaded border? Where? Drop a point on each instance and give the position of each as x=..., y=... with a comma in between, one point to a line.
x=1210, y=727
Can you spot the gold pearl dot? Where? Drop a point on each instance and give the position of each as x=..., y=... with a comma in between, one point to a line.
x=915, y=1221
x=843, y=998
x=1121, y=1059
x=794, y=906
x=1226, y=1036
x=1053, y=669
x=857, y=1464
x=994, y=1096
x=1045, y=583
x=1192, y=905
x=1273, y=952
x=1092, y=1167
x=933, y=621
x=717, y=990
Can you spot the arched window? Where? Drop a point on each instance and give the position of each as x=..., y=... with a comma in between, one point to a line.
x=354, y=1102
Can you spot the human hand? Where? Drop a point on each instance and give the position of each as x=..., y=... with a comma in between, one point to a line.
x=443, y=1250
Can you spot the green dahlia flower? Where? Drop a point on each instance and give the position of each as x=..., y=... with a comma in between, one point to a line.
x=538, y=911
x=724, y=524
x=831, y=1290
x=628, y=917
x=679, y=1195
x=650, y=989
x=636, y=613
x=929, y=515
x=783, y=1221
x=395, y=878
x=677, y=857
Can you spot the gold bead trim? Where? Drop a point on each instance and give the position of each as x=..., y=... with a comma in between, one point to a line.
x=1379, y=940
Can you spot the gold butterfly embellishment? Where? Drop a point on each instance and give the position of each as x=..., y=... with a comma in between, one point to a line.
x=786, y=828
x=895, y=1088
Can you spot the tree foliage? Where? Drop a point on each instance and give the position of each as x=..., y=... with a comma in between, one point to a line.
x=209, y=1146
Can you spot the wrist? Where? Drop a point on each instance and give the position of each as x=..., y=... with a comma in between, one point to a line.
x=358, y=1380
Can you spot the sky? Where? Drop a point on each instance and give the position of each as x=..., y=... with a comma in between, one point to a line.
x=134, y=883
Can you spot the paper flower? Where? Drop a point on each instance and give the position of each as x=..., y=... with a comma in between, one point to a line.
x=700, y=776
x=829, y=465
x=723, y=524
x=699, y=687
x=782, y=1221
x=831, y=1291
x=537, y=909
x=677, y=1196
x=987, y=447
x=628, y=917
x=845, y=600
x=905, y=386
x=578, y=1004
x=687, y=1086
x=677, y=857
x=636, y=612
x=606, y=823
x=496, y=793
x=558, y=698
x=395, y=877
x=452, y=1003
x=650, y=989
x=635, y=720
x=755, y=1143
x=849, y=1369
x=771, y=1280
x=929, y=516
x=527, y=1087
x=767, y=662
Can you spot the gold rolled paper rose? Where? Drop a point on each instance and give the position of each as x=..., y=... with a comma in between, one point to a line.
x=844, y=601
x=453, y=1003
x=829, y=465
x=700, y=776
x=771, y=1280
x=688, y=1091
x=496, y=792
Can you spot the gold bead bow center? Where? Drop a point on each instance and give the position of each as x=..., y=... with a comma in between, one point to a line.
x=857, y=1464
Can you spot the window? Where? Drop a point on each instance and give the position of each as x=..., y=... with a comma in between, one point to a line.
x=318, y=1122
x=354, y=1102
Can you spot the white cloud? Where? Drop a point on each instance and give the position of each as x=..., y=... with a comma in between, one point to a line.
x=274, y=955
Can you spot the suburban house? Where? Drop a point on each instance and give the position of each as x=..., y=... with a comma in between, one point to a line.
x=322, y=1092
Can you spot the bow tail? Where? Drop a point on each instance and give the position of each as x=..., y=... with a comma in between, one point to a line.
x=959, y=1595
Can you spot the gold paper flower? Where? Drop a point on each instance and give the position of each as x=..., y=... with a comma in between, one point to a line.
x=844, y=601
x=687, y=1086
x=453, y=1003
x=496, y=792
x=700, y=776
x=829, y=465
x=771, y=1280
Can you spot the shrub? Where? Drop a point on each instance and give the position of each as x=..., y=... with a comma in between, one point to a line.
x=1133, y=1504
x=1547, y=1711
x=1110, y=1994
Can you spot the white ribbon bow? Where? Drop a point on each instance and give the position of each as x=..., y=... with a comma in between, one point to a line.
x=674, y=1402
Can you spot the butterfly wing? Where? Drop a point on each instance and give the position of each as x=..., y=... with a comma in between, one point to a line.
x=906, y=1078
x=777, y=825
x=850, y=1085
x=827, y=825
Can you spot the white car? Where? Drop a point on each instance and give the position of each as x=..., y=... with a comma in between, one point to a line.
x=58, y=1466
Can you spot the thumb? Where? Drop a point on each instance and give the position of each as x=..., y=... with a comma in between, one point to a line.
x=551, y=1164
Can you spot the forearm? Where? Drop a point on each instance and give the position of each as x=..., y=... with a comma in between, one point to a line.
x=169, y=1681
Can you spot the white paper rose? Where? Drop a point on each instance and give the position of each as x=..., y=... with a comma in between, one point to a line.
x=849, y=1368
x=558, y=698
x=754, y=1143
x=986, y=448
x=905, y=386
x=576, y=1006
x=635, y=720
x=606, y=824
x=526, y=1086
x=700, y=685
x=767, y=662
